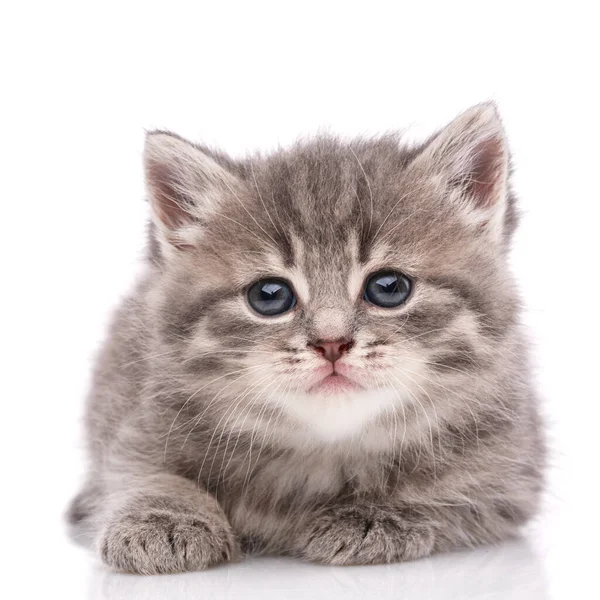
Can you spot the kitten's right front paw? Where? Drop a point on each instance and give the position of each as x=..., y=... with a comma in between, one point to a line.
x=156, y=541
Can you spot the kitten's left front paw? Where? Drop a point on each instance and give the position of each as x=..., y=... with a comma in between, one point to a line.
x=358, y=535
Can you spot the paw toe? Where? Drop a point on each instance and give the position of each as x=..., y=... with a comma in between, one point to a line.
x=355, y=535
x=160, y=542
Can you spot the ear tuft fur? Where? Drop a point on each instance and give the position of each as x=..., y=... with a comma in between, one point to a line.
x=471, y=154
x=184, y=183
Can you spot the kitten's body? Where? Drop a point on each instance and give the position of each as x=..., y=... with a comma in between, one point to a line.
x=204, y=432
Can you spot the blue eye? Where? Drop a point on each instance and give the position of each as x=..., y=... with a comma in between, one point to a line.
x=387, y=289
x=270, y=297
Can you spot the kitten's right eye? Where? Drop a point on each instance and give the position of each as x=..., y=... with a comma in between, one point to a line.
x=270, y=297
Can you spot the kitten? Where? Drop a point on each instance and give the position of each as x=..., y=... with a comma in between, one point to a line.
x=323, y=359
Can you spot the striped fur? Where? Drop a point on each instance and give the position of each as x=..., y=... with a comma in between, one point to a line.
x=204, y=439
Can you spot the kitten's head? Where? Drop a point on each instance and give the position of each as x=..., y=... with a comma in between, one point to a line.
x=329, y=284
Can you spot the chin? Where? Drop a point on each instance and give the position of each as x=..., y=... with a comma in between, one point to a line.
x=338, y=410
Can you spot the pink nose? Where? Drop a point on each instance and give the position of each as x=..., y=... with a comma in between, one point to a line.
x=332, y=350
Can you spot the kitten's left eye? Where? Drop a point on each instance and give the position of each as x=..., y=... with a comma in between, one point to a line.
x=270, y=297
x=387, y=289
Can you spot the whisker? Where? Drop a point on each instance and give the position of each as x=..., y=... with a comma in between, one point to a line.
x=229, y=413
x=210, y=404
x=435, y=414
x=443, y=366
x=248, y=212
x=416, y=399
x=414, y=337
x=463, y=403
x=395, y=332
x=148, y=357
x=401, y=222
x=261, y=199
x=257, y=424
x=198, y=419
x=390, y=231
x=368, y=185
x=257, y=420
x=267, y=430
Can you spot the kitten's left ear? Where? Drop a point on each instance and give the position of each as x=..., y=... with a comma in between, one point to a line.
x=469, y=159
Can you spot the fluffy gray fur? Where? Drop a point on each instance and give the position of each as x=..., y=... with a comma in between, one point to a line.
x=204, y=439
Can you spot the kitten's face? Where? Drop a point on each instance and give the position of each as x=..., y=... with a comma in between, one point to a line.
x=331, y=285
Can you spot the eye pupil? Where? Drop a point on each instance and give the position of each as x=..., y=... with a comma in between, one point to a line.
x=387, y=289
x=271, y=297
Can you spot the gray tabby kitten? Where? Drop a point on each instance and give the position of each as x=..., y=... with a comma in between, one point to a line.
x=323, y=359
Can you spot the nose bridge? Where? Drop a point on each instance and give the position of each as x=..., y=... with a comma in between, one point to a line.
x=331, y=313
x=330, y=323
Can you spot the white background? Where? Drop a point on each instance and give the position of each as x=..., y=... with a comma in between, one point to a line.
x=79, y=83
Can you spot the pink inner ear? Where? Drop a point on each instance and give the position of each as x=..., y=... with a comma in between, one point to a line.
x=485, y=175
x=168, y=202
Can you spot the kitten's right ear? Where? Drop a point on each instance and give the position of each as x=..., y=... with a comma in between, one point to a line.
x=184, y=185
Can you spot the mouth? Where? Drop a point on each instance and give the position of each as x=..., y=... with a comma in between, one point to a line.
x=334, y=383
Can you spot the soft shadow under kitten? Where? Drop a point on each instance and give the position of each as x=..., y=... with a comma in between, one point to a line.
x=323, y=359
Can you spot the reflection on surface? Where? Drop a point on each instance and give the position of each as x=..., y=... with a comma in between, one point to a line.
x=510, y=570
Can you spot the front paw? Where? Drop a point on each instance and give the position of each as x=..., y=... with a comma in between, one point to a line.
x=358, y=535
x=161, y=541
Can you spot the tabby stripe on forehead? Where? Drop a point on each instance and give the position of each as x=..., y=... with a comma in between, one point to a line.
x=287, y=250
